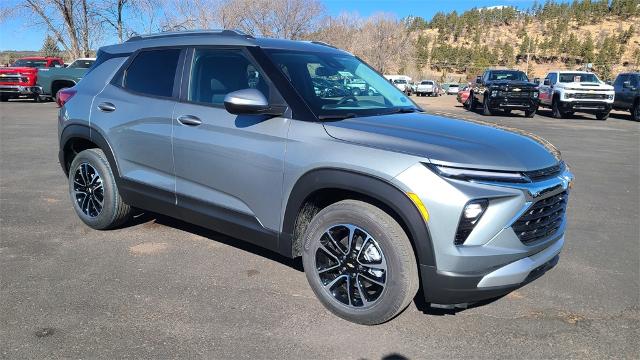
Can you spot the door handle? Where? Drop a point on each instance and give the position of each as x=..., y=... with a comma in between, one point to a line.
x=107, y=107
x=189, y=120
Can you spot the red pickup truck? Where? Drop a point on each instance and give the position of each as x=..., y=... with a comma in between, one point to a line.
x=20, y=79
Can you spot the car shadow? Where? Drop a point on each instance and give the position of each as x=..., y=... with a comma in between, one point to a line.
x=147, y=217
x=622, y=116
x=427, y=309
x=549, y=114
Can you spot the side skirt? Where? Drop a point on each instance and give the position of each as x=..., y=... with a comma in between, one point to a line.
x=225, y=221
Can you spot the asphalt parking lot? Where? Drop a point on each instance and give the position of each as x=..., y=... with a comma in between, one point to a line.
x=161, y=288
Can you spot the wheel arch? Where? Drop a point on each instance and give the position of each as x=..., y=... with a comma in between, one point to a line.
x=58, y=84
x=319, y=188
x=75, y=138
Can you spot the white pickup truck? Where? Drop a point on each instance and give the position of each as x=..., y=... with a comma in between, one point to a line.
x=427, y=88
x=567, y=92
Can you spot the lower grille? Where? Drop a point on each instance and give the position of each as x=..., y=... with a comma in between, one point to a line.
x=11, y=79
x=542, y=219
x=518, y=95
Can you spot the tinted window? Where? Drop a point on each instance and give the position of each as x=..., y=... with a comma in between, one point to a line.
x=578, y=77
x=152, y=72
x=215, y=73
x=81, y=64
x=508, y=75
x=30, y=63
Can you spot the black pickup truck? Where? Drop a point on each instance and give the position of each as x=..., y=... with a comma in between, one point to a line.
x=627, y=98
x=504, y=90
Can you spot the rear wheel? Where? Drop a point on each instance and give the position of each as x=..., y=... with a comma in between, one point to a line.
x=94, y=192
x=635, y=111
x=359, y=262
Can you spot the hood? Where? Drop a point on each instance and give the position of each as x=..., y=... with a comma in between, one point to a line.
x=21, y=70
x=586, y=86
x=512, y=84
x=449, y=141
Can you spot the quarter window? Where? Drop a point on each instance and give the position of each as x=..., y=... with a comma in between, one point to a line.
x=216, y=72
x=152, y=72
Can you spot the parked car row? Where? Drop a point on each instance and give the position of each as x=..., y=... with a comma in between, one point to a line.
x=40, y=78
x=563, y=92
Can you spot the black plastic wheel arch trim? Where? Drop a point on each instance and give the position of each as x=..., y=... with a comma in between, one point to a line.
x=367, y=185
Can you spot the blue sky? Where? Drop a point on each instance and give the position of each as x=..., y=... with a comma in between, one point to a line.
x=16, y=34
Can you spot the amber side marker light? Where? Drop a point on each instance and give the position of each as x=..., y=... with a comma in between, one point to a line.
x=419, y=205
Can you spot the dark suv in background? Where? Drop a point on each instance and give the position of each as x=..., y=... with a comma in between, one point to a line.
x=379, y=199
x=504, y=90
x=627, y=88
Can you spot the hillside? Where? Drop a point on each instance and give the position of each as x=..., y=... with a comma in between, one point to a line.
x=454, y=47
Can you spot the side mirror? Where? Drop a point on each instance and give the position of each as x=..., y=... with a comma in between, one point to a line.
x=247, y=102
x=626, y=84
x=479, y=80
x=547, y=82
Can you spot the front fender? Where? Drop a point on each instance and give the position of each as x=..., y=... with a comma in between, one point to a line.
x=364, y=184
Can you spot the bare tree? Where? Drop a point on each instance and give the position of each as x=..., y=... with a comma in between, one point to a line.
x=69, y=22
x=288, y=19
x=117, y=14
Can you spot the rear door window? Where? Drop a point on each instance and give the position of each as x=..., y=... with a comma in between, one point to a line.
x=152, y=72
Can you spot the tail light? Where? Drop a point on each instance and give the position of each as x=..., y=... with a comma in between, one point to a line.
x=65, y=95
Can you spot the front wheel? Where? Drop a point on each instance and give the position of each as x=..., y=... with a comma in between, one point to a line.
x=530, y=113
x=359, y=262
x=486, y=110
x=94, y=192
x=555, y=109
x=602, y=115
x=635, y=111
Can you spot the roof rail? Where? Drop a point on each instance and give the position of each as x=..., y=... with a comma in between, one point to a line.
x=166, y=34
x=323, y=44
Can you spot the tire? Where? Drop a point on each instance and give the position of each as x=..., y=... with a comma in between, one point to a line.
x=555, y=109
x=486, y=111
x=635, y=111
x=602, y=115
x=355, y=92
x=114, y=212
x=385, y=237
x=472, y=102
x=37, y=99
x=530, y=113
x=4, y=98
x=507, y=111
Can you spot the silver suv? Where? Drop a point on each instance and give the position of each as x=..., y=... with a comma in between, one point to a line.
x=380, y=200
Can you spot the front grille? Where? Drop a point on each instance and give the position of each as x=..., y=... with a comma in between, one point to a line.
x=590, y=96
x=542, y=219
x=546, y=173
x=10, y=78
x=517, y=94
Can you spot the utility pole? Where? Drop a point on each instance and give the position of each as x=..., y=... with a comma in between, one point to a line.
x=528, y=51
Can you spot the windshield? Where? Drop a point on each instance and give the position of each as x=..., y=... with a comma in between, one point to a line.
x=508, y=75
x=339, y=84
x=426, y=83
x=30, y=63
x=578, y=77
x=82, y=64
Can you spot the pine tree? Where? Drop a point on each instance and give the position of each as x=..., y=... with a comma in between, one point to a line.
x=50, y=47
x=586, y=50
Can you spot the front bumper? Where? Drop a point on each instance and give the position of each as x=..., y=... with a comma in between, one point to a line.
x=586, y=106
x=504, y=103
x=493, y=260
x=18, y=90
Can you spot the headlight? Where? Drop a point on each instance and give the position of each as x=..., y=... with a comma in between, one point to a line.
x=477, y=175
x=494, y=93
x=568, y=95
x=610, y=97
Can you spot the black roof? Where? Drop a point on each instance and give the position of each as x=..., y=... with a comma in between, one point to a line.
x=215, y=37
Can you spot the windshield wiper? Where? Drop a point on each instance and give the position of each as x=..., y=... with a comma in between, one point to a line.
x=336, y=116
x=403, y=110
